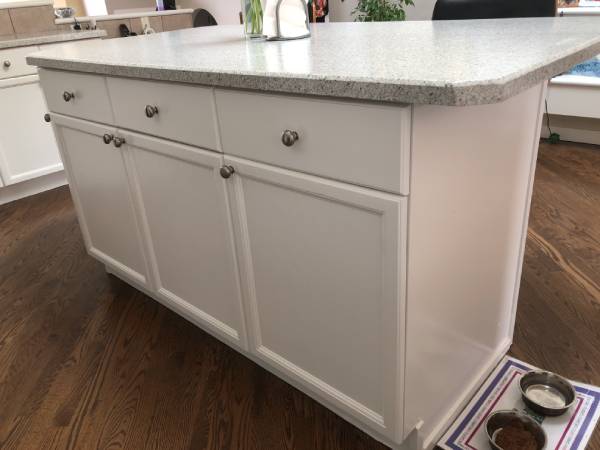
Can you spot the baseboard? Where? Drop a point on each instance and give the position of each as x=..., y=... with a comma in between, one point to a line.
x=575, y=135
x=573, y=129
x=34, y=186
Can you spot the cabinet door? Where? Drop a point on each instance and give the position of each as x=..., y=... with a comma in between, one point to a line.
x=99, y=183
x=27, y=145
x=323, y=273
x=184, y=204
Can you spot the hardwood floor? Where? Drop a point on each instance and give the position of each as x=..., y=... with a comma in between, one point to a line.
x=87, y=362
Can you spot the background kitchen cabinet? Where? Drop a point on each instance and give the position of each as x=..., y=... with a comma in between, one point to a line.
x=29, y=159
x=323, y=266
x=27, y=145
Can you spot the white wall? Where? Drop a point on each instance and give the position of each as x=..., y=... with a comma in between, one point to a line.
x=226, y=12
x=94, y=8
x=341, y=11
x=422, y=10
x=113, y=6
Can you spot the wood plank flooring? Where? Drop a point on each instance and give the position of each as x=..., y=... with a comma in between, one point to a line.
x=87, y=362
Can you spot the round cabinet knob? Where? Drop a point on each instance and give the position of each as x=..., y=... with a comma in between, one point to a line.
x=289, y=138
x=68, y=96
x=107, y=138
x=151, y=111
x=118, y=141
x=7, y=64
x=227, y=171
x=47, y=117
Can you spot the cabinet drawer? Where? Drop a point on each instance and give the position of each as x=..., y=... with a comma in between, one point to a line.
x=13, y=64
x=362, y=143
x=178, y=112
x=76, y=94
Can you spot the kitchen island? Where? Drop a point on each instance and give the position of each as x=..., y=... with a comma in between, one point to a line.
x=349, y=211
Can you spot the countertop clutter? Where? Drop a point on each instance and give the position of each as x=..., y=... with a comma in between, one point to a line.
x=48, y=37
x=443, y=63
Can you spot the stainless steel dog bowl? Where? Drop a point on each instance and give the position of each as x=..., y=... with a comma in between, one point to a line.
x=500, y=419
x=547, y=393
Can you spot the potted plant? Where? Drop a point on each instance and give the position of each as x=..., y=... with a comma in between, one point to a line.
x=252, y=11
x=380, y=10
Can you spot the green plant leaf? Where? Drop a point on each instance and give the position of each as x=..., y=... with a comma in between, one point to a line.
x=381, y=10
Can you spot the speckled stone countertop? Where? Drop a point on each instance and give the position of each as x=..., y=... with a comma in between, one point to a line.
x=49, y=37
x=444, y=63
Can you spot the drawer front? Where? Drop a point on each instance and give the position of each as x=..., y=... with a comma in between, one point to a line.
x=13, y=64
x=362, y=143
x=178, y=112
x=76, y=94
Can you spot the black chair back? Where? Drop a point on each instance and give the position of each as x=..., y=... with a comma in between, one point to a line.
x=492, y=9
x=202, y=18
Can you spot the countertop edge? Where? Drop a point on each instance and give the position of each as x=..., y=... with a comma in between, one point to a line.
x=51, y=39
x=487, y=92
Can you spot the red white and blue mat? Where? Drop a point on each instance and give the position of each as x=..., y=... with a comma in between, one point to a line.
x=570, y=431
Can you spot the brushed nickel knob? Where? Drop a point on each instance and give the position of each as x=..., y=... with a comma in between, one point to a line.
x=107, y=138
x=227, y=171
x=68, y=96
x=118, y=141
x=151, y=111
x=47, y=117
x=289, y=138
x=7, y=64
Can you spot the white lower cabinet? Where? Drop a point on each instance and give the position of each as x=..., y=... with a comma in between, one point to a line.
x=323, y=274
x=185, y=212
x=27, y=144
x=305, y=274
x=321, y=277
x=100, y=186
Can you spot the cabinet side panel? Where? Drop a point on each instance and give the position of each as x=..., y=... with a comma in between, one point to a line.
x=471, y=175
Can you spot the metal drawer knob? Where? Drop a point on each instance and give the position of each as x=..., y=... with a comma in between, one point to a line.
x=107, y=138
x=227, y=171
x=289, y=138
x=6, y=63
x=47, y=117
x=68, y=96
x=151, y=111
x=118, y=141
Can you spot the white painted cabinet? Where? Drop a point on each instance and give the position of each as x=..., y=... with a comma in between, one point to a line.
x=391, y=316
x=27, y=145
x=185, y=212
x=323, y=269
x=100, y=186
x=29, y=158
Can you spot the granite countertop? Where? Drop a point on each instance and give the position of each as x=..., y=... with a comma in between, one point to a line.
x=443, y=62
x=48, y=37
